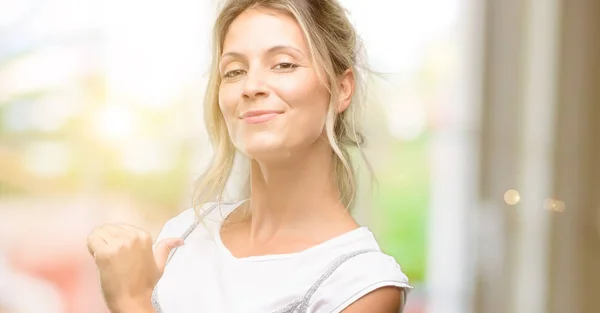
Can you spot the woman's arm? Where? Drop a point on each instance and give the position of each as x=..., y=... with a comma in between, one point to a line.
x=383, y=300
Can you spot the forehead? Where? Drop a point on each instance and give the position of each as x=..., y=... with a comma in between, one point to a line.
x=259, y=29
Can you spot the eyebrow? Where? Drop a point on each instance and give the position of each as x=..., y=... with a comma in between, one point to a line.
x=269, y=51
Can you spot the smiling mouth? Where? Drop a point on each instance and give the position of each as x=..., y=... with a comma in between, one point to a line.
x=257, y=117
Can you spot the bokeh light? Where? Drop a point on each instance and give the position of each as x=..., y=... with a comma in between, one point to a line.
x=554, y=205
x=512, y=197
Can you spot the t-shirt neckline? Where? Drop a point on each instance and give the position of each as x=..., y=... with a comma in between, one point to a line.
x=347, y=236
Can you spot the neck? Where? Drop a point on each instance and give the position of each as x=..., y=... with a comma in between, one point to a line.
x=297, y=196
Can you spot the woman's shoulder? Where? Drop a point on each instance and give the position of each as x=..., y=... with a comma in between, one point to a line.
x=373, y=265
x=354, y=275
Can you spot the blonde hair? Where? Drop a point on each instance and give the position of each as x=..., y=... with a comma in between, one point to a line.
x=334, y=45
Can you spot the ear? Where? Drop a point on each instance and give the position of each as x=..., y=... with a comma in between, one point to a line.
x=346, y=83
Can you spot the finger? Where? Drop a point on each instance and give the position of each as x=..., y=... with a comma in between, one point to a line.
x=95, y=243
x=140, y=236
x=163, y=249
x=114, y=234
x=136, y=232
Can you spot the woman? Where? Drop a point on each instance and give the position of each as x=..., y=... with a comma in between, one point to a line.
x=282, y=93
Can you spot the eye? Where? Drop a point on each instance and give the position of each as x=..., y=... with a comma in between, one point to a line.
x=285, y=66
x=233, y=73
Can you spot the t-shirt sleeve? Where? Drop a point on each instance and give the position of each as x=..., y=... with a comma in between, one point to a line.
x=355, y=278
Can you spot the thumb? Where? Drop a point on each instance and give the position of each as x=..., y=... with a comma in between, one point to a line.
x=163, y=248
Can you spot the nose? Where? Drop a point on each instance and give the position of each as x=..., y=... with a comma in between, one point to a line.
x=254, y=87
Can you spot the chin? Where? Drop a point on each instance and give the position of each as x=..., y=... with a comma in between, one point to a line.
x=264, y=148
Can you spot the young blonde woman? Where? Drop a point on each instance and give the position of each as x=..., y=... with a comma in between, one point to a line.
x=281, y=93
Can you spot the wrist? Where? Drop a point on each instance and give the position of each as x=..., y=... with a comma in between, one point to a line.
x=131, y=305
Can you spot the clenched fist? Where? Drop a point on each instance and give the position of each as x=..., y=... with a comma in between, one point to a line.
x=128, y=266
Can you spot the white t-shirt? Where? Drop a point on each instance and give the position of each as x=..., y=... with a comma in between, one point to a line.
x=202, y=276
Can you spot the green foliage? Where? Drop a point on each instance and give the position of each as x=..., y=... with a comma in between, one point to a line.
x=402, y=207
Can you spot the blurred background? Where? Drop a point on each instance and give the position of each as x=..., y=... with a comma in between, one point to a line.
x=483, y=131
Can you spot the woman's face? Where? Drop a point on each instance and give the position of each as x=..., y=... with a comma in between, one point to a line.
x=271, y=97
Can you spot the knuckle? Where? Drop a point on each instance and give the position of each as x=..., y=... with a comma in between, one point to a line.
x=125, y=245
x=91, y=238
x=144, y=237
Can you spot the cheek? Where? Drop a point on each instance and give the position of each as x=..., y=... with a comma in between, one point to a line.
x=309, y=103
x=227, y=101
x=304, y=92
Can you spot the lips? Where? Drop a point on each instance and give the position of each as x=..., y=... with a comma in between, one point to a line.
x=259, y=116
